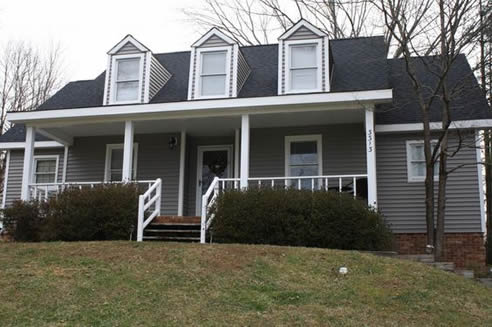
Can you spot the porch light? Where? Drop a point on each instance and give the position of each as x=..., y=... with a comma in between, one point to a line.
x=173, y=142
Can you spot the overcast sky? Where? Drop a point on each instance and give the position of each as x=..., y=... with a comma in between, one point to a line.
x=87, y=29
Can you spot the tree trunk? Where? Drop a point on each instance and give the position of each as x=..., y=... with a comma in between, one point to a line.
x=429, y=180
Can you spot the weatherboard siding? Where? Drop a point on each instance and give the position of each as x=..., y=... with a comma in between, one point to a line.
x=402, y=202
x=158, y=77
x=128, y=48
x=16, y=165
x=243, y=71
x=302, y=33
x=214, y=41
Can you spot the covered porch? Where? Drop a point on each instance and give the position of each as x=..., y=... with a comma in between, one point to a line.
x=314, y=148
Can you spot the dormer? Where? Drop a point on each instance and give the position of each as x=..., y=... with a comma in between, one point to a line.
x=217, y=67
x=303, y=60
x=133, y=74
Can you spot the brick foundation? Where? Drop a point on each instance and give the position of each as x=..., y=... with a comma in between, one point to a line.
x=466, y=250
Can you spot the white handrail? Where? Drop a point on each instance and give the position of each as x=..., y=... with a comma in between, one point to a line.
x=145, y=201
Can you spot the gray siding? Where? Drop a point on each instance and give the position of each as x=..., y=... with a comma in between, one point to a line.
x=214, y=41
x=302, y=33
x=158, y=77
x=87, y=159
x=128, y=48
x=343, y=149
x=14, y=183
x=402, y=202
x=243, y=71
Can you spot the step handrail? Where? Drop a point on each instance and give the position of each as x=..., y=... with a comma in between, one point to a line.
x=145, y=201
x=206, y=205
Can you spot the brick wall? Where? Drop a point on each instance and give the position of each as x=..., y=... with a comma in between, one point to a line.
x=466, y=250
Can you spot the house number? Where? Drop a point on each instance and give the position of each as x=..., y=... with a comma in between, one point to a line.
x=369, y=140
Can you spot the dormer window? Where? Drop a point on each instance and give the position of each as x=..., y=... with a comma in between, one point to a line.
x=303, y=67
x=127, y=81
x=213, y=73
x=303, y=60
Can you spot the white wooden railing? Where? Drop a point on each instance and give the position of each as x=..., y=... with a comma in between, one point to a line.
x=43, y=191
x=150, y=199
x=339, y=183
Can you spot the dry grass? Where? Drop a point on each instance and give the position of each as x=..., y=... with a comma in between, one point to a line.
x=155, y=284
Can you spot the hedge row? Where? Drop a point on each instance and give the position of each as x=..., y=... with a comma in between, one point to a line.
x=298, y=218
x=106, y=212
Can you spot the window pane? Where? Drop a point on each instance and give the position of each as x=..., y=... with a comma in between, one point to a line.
x=417, y=151
x=303, y=153
x=213, y=85
x=126, y=91
x=46, y=166
x=213, y=63
x=303, y=79
x=116, y=176
x=303, y=56
x=117, y=159
x=128, y=69
x=418, y=169
x=304, y=171
x=45, y=178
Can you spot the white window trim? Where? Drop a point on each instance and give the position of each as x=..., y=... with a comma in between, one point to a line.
x=109, y=151
x=411, y=178
x=114, y=74
x=288, y=45
x=318, y=138
x=198, y=70
x=44, y=157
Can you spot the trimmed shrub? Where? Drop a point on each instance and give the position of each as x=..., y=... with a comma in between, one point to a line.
x=106, y=212
x=298, y=218
x=23, y=220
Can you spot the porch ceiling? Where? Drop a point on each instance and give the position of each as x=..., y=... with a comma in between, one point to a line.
x=211, y=126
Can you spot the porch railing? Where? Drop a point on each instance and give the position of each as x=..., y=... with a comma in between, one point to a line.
x=43, y=191
x=338, y=183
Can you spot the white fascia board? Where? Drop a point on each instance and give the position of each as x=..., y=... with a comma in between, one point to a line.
x=37, y=145
x=213, y=31
x=300, y=24
x=458, y=124
x=132, y=40
x=139, y=111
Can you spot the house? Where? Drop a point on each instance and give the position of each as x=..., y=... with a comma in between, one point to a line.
x=308, y=112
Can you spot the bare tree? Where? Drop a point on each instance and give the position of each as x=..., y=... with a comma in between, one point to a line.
x=27, y=79
x=451, y=29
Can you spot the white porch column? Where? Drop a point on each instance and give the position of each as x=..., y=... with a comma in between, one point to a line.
x=182, y=157
x=28, y=162
x=236, y=153
x=244, y=151
x=372, y=197
x=128, y=152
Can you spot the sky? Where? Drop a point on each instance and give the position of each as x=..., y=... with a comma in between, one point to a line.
x=87, y=30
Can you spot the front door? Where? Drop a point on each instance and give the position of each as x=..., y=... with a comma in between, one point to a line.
x=213, y=161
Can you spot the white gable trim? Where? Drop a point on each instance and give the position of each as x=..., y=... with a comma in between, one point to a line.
x=298, y=25
x=125, y=40
x=212, y=32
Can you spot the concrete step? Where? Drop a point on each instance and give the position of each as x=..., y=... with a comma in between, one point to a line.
x=446, y=266
x=172, y=238
x=425, y=258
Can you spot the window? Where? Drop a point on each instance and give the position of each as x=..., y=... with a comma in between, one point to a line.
x=303, y=67
x=114, y=162
x=45, y=169
x=213, y=73
x=416, y=161
x=303, y=157
x=127, y=79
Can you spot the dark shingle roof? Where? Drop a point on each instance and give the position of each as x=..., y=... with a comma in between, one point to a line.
x=468, y=101
x=17, y=133
x=357, y=64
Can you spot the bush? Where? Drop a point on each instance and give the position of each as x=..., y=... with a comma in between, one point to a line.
x=23, y=220
x=298, y=218
x=107, y=212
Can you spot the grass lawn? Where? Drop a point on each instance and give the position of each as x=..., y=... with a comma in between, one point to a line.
x=160, y=284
